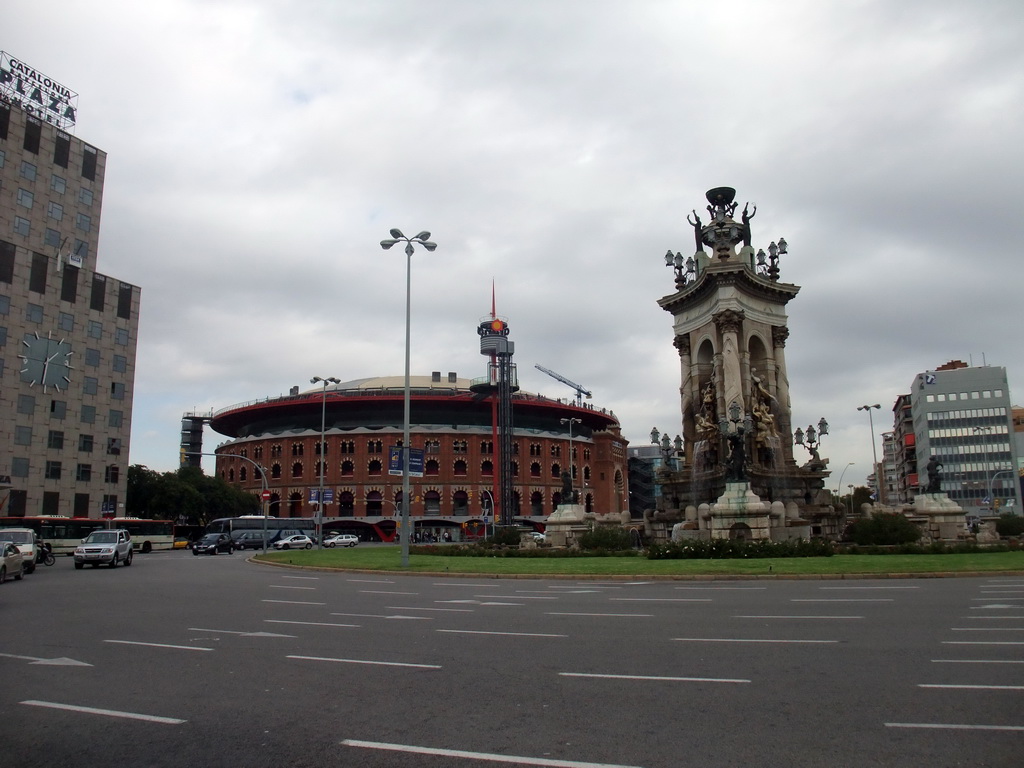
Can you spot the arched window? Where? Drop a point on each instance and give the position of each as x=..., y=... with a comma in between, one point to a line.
x=556, y=471
x=297, y=449
x=536, y=503
x=432, y=503
x=231, y=475
x=374, y=467
x=515, y=469
x=459, y=468
x=432, y=467
x=460, y=503
x=295, y=505
x=374, y=505
x=275, y=471
x=586, y=472
x=241, y=474
x=535, y=469
x=347, y=468
x=297, y=469
x=487, y=468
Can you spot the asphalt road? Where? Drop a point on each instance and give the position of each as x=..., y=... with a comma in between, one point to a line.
x=214, y=661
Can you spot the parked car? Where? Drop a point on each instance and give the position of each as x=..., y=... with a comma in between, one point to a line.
x=298, y=541
x=12, y=562
x=539, y=537
x=341, y=540
x=251, y=540
x=105, y=547
x=212, y=543
x=27, y=542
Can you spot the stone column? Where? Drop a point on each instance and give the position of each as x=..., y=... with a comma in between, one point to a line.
x=729, y=323
x=686, y=399
x=785, y=418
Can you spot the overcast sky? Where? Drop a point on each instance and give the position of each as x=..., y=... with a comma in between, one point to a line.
x=258, y=152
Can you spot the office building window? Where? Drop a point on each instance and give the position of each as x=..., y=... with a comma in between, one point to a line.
x=90, y=385
x=89, y=163
x=117, y=390
x=5, y=304
x=7, y=251
x=34, y=313
x=66, y=321
x=83, y=222
x=58, y=409
x=23, y=435
x=112, y=474
x=22, y=226
x=51, y=237
x=121, y=337
x=55, y=440
x=28, y=170
x=124, y=301
x=115, y=418
x=99, y=292
x=85, y=443
x=62, y=150
x=55, y=211
x=85, y=196
x=84, y=473
x=37, y=274
x=33, y=133
x=25, y=198
x=92, y=357
x=26, y=404
x=69, y=284
x=88, y=414
x=114, y=446
x=19, y=467
x=58, y=184
x=53, y=470
x=95, y=329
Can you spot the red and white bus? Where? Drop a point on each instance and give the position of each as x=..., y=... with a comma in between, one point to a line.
x=63, y=534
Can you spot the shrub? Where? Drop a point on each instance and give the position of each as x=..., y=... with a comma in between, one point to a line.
x=607, y=538
x=1010, y=525
x=504, y=536
x=884, y=528
x=699, y=549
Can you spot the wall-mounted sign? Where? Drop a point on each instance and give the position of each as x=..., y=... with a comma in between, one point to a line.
x=36, y=93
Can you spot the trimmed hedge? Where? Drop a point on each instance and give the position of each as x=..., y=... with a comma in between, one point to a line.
x=883, y=528
x=699, y=549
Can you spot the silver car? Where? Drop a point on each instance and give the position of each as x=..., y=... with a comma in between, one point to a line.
x=12, y=563
x=105, y=547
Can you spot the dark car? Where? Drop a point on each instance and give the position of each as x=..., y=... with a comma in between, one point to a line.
x=212, y=543
x=252, y=540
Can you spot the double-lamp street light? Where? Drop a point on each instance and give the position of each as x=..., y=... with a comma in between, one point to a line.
x=874, y=453
x=423, y=238
x=323, y=461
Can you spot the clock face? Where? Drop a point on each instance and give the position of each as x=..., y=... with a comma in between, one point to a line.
x=47, y=361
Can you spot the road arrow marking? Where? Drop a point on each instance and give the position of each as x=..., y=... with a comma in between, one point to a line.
x=62, y=661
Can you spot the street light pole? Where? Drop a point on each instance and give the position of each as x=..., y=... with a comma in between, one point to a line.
x=323, y=464
x=423, y=238
x=263, y=482
x=874, y=453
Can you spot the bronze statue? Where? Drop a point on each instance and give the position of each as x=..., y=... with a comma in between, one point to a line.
x=746, y=224
x=697, y=228
x=735, y=470
x=934, y=475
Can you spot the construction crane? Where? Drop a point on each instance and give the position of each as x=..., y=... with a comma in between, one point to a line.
x=581, y=392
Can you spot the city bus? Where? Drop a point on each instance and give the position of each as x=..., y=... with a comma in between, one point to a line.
x=63, y=534
x=274, y=526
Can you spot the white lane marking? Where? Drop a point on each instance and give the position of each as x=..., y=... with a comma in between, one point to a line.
x=868, y=588
x=992, y=618
x=977, y=661
x=990, y=606
x=381, y=616
x=517, y=759
x=107, y=712
x=724, y=588
x=745, y=640
x=841, y=600
x=292, y=602
x=521, y=597
x=987, y=599
x=659, y=599
x=508, y=634
x=476, y=602
x=312, y=623
x=384, y=592
x=414, y=608
x=827, y=618
x=615, y=615
x=370, y=581
x=288, y=586
x=304, y=578
x=160, y=645
x=237, y=632
x=657, y=677
x=957, y=726
x=366, y=661
x=974, y=687
x=62, y=661
x=986, y=629
x=983, y=642
x=460, y=584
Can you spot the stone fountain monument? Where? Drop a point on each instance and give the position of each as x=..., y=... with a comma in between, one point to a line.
x=738, y=477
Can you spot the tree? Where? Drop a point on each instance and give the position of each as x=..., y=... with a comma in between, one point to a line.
x=884, y=528
x=186, y=495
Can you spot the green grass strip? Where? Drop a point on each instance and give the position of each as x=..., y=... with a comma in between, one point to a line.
x=389, y=559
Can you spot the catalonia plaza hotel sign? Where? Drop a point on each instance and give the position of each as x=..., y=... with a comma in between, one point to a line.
x=36, y=93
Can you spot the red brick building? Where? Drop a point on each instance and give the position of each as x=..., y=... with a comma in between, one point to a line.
x=363, y=419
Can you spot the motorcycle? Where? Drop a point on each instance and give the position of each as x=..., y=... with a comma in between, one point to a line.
x=46, y=555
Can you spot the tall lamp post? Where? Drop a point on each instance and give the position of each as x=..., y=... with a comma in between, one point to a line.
x=874, y=453
x=572, y=475
x=839, y=487
x=423, y=238
x=988, y=470
x=323, y=462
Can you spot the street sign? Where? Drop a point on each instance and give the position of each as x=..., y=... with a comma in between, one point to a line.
x=265, y=495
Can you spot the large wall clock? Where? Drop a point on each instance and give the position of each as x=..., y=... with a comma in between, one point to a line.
x=47, y=361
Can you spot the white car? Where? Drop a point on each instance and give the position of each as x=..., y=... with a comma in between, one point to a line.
x=298, y=541
x=106, y=547
x=341, y=540
x=539, y=537
x=11, y=562
x=26, y=541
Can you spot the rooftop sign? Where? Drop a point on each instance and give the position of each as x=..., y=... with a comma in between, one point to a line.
x=36, y=93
